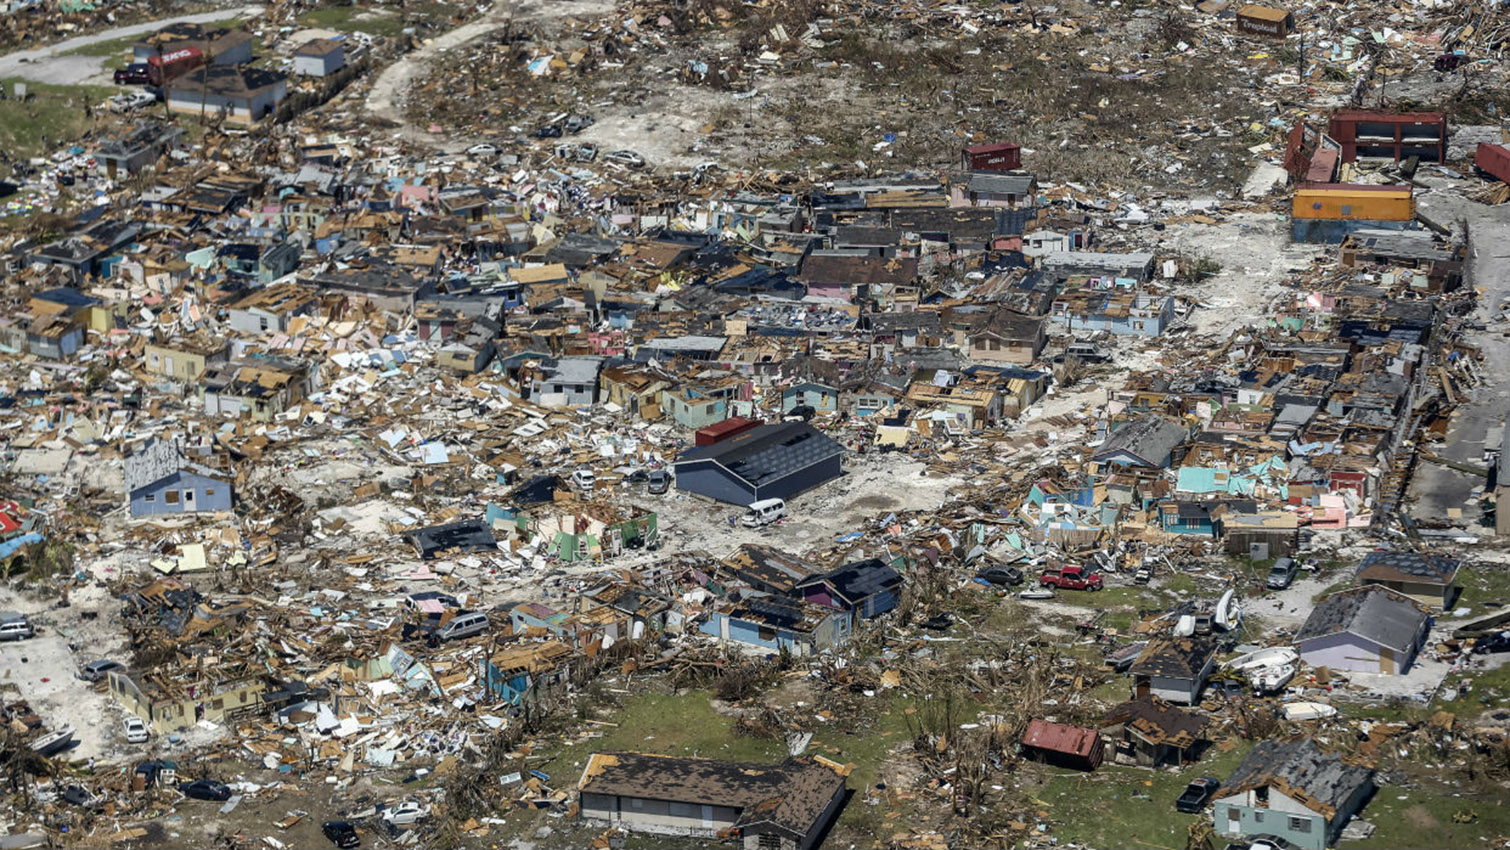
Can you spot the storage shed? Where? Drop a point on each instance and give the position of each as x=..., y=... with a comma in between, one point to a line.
x=1065, y=746
x=320, y=57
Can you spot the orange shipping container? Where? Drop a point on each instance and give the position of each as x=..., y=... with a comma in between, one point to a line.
x=1347, y=202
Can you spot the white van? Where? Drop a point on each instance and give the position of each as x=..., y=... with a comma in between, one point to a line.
x=463, y=626
x=764, y=512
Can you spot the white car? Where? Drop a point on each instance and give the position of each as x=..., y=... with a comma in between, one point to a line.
x=625, y=157
x=584, y=479
x=135, y=731
x=131, y=102
x=406, y=813
x=483, y=149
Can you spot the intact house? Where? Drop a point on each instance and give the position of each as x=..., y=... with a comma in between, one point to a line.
x=863, y=589
x=185, y=359
x=160, y=480
x=1174, y=668
x=320, y=57
x=1002, y=336
x=1426, y=578
x=1294, y=791
x=786, y=806
x=1148, y=441
x=271, y=308
x=241, y=94
x=1369, y=629
x=776, y=461
x=567, y=382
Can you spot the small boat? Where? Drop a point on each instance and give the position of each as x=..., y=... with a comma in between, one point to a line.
x=1308, y=710
x=54, y=742
x=1267, y=680
x=1228, y=615
x=1271, y=657
x=1037, y=593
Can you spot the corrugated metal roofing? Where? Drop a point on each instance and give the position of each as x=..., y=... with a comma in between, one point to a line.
x=1059, y=738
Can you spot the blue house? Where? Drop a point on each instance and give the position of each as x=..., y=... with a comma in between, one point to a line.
x=864, y=589
x=774, y=623
x=522, y=673
x=820, y=397
x=1292, y=790
x=1190, y=518
x=160, y=481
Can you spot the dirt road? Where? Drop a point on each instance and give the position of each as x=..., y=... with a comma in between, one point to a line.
x=386, y=98
x=50, y=64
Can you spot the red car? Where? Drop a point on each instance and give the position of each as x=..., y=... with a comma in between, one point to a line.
x=1071, y=578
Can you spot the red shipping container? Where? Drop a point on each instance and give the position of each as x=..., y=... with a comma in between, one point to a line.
x=720, y=431
x=999, y=157
x=1493, y=160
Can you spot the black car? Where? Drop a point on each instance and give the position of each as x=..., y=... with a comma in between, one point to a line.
x=1197, y=794
x=1000, y=575
x=549, y=131
x=1499, y=642
x=660, y=482
x=939, y=622
x=205, y=789
x=135, y=74
x=341, y=833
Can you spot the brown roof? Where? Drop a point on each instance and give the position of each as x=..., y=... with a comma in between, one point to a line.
x=845, y=269
x=1158, y=722
x=318, y=47
x=791, y=795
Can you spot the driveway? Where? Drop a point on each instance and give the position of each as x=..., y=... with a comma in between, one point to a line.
x=49, y=65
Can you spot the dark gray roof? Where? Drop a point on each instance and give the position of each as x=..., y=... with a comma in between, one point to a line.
x=861, y=579
x=1299, y=769
x=1373, y=612
x=769, y=452
x=1408, y=566
x=468, y=535
x=1001, y=184
x=1150, y=438
x=1175, y=658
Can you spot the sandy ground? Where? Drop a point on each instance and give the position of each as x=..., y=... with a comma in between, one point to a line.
x=1256, y=255
x=50, y=65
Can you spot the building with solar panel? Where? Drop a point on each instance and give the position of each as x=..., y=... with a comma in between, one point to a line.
x=775, y=461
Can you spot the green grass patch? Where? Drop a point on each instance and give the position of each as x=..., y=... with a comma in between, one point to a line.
x=51, y=113
x=1424, y=820
x=670, y=725
x=354, y=18
x=1127, y=806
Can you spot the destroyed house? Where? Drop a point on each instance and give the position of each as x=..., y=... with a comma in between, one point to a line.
x=383, y=285
x=169, y=706
x=1137, y=266
x=524, y=673
x=1426, y=578
x=839, y=275
x=1064, y=746
x=1294, y=791
x=468, y=535
x=777, y=461
x=769, y=570
x=271, y=308
x=160, y=480
x=135, y=148
x=1368, y=629
x=1120, y=312
x=80, y=253
x=1150, y=732
x=786, y=806
x=260, y=389
x=865, y=589
x=1001, y=190
x=1174, y=668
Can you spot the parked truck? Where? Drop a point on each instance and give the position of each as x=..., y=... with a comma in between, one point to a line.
x=166, y=67
x=1071, y=578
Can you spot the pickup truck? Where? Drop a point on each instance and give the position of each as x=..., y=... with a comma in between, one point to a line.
x=1070, y=578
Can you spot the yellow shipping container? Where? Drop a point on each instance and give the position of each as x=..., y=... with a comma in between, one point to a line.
x=1343, y=202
